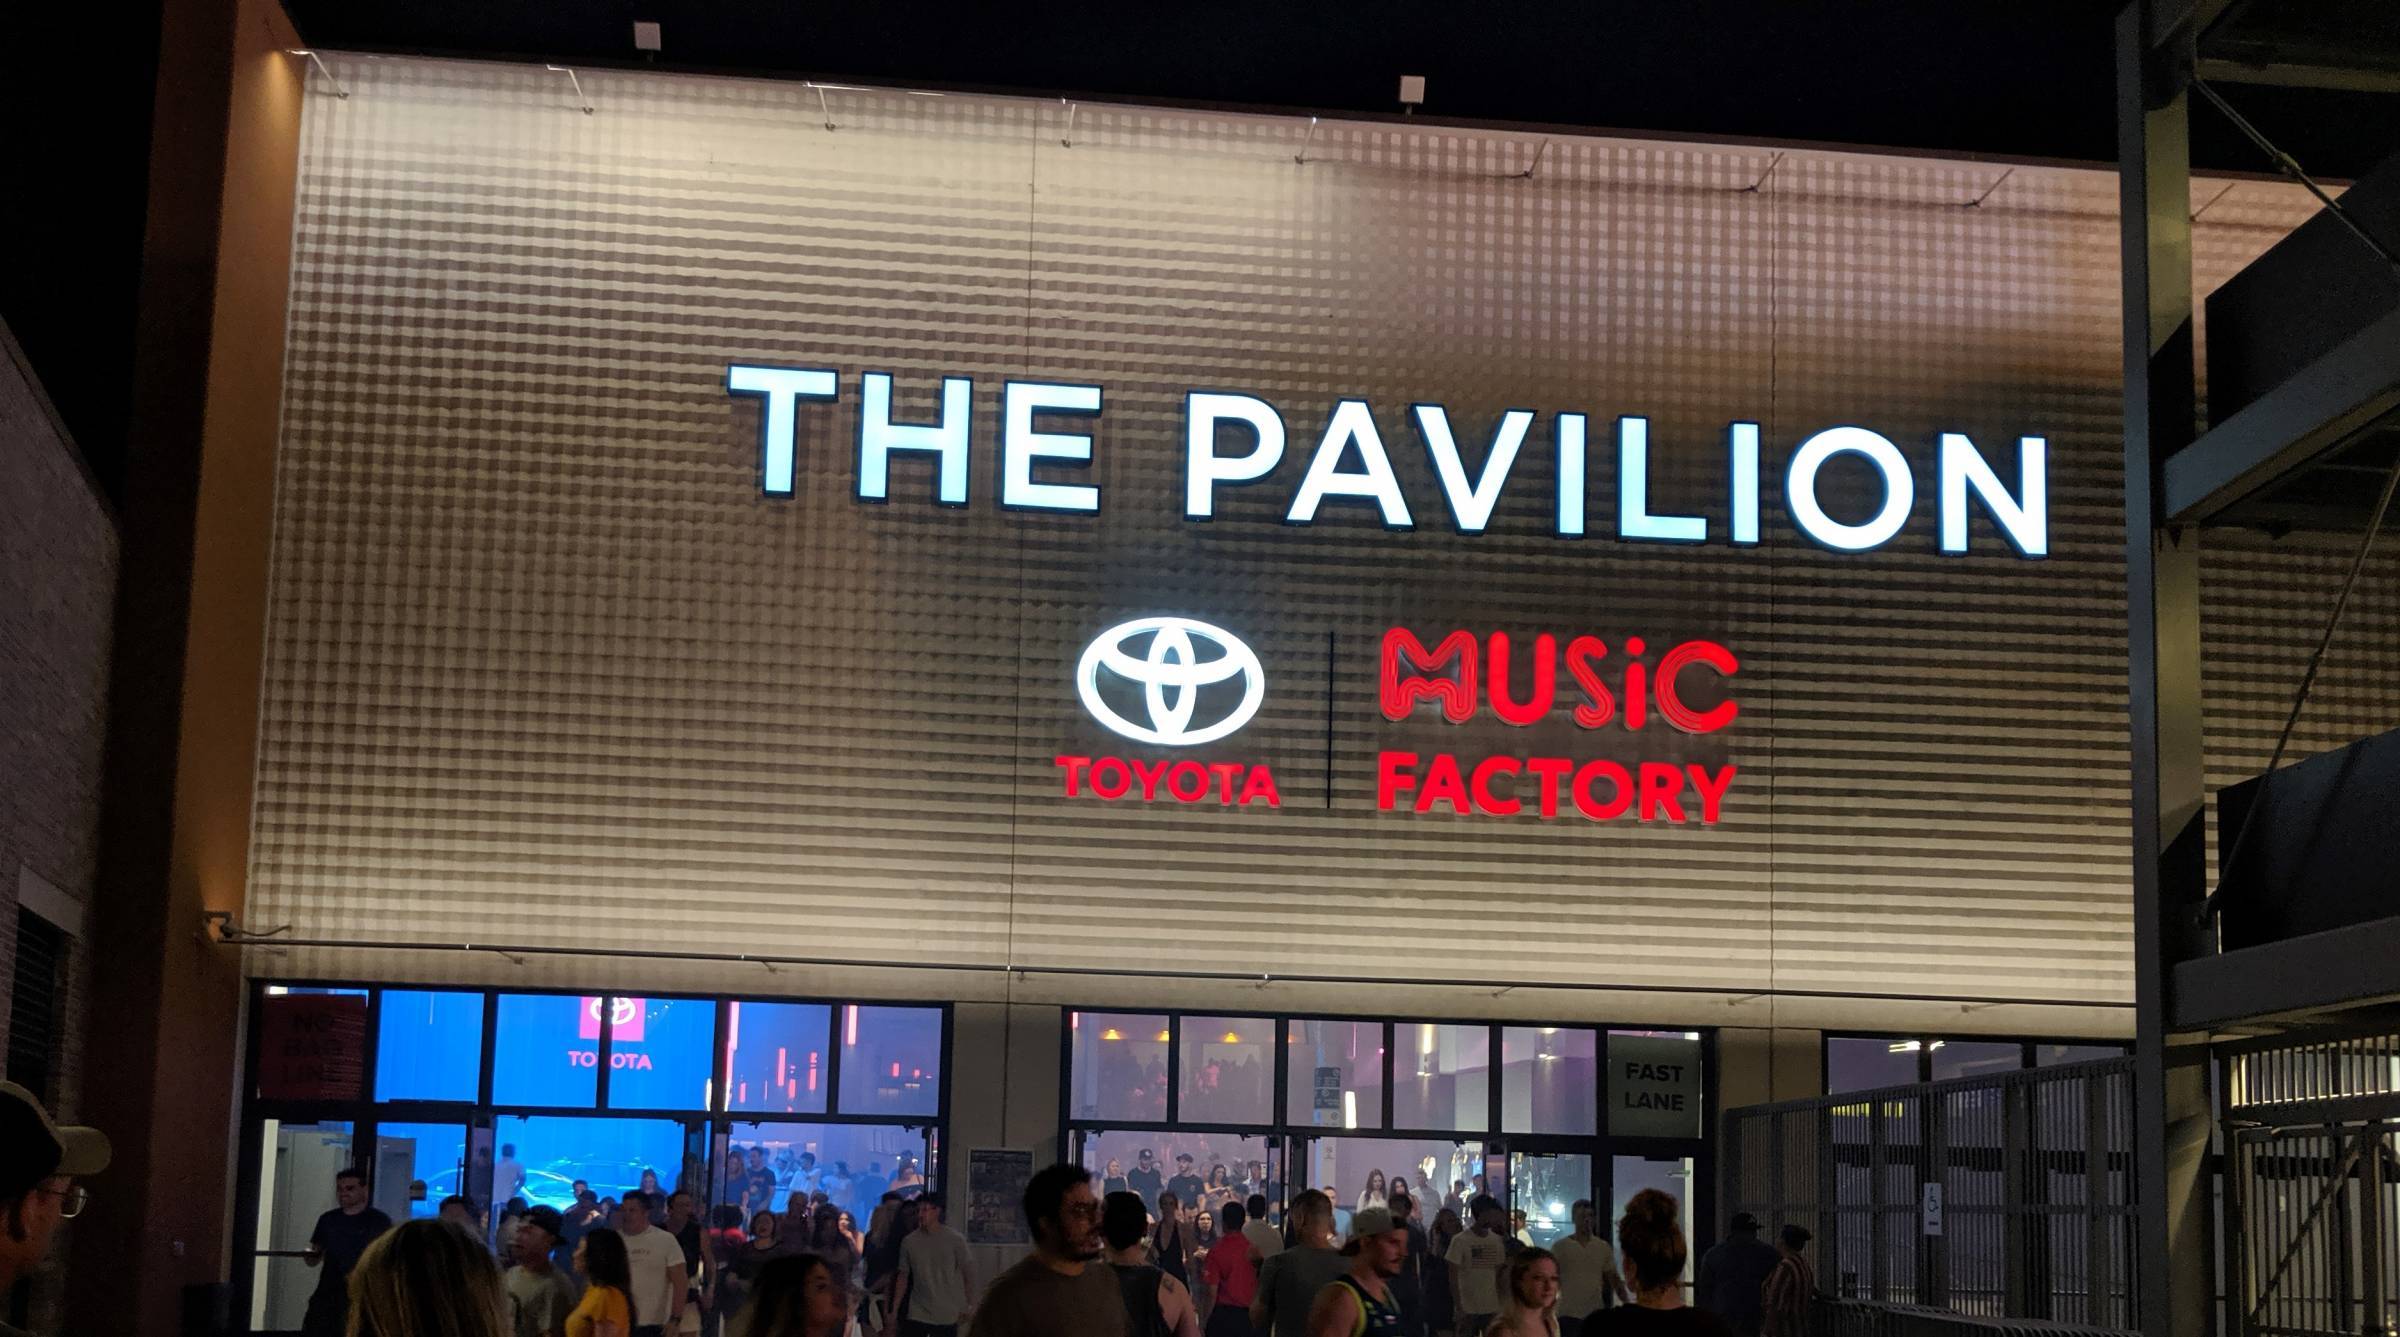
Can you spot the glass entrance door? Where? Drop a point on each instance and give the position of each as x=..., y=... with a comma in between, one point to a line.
x=297, y=1163
x=1545, y=1186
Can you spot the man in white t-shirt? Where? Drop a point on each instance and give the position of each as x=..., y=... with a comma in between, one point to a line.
x=1588, y=1280
x=1478, y=1258
x=655, y=1263
x=937, y=1278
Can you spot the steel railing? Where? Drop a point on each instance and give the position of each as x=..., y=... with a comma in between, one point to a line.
x=2033, y=1215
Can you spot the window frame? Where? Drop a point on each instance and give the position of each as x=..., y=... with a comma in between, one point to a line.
x=704, y=1129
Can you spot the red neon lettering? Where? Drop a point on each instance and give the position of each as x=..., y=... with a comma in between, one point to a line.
x=1148, y=775
x=1616, y=776
x=1660, y=784
x=1110, y=779
x=1584, y=654
x=1192, y=771
x=1498, y=805
x=1225, y=771
x=1553, y=771
x=1711, y=789
x=1545, y=679
x=1671, y=705
x=1443, y=784
x=1261, y=784
x=1637, y=692
x=1395, y=774
x=1073, y=766
x=1456, y=695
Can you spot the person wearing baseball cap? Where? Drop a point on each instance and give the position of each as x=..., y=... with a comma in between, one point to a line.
x=1360, y=1302
x=1733, y=1276
x=39, y=1164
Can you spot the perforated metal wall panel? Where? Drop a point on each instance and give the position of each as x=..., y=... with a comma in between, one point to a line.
x=546, y=667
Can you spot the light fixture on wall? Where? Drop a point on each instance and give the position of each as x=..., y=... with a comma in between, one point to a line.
x=304, y=53
x=580, y=99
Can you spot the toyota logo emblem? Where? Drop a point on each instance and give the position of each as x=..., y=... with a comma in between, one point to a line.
x=1175, y=662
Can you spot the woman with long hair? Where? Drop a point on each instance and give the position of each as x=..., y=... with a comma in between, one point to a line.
x=739, y=1274
x=1113, y=1180
x=1171, y=1242
x=1374, y=1194
x=1651, y=1253
x=1530, y=1308
x=1446, y=1227
x=428, y=1278
x=1218, y=1190
x=798, y=1296
x=607, y=1307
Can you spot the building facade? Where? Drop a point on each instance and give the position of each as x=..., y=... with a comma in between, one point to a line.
x=1122, y=632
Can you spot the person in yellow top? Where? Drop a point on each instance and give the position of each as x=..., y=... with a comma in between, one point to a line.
x=606, y=1310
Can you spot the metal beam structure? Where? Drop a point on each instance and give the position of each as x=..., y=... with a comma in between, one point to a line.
x=2315, y=411
x=2288, y=981
x=2156, y=48
x=2289, y=74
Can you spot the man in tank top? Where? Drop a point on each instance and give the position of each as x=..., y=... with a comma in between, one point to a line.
x=1360, y=1302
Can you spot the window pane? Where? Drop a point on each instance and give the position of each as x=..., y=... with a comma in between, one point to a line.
x=546, y=1050
x=428, y=1046
x=1975, y=1058
x=1361, y=1170
x=312, y=1044
x=2050, y=1055
x=1118, y=1066
x=608, y=1155
x=853, y=1165
x=1671, y=1176
x=891, y=1060
x=1864, y=1063
x=1225, y=1074
x=1334, y=1074
x=658, y=1053
x=1442, y=1077
x=417, y=1165
x=1550, y=1080
x=1547, y=1187
x=1654, y=1084
x=775, y=1057
x=1224, y=1167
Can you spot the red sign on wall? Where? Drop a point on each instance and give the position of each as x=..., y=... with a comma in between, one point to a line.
x=312, y=1046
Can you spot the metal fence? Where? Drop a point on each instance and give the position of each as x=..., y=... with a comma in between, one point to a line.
x=2032, y=1211
x=2312, y=1184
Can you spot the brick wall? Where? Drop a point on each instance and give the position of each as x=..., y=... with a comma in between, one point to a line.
x=58, y=547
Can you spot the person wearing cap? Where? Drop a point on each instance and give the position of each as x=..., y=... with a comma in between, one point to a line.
x=1185, y=1183
x=1360, y=1302
x=1733, y=1276
x=539, y=1295
x=1789, y=1287
x=39, y=1164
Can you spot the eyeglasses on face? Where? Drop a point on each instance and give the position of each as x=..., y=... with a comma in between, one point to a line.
x=71, y=1201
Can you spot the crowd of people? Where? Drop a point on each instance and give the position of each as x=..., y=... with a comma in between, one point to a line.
x=1104, y=1264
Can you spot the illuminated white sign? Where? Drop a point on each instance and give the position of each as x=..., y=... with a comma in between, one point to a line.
x=1169, y=660
x=1233, y=440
